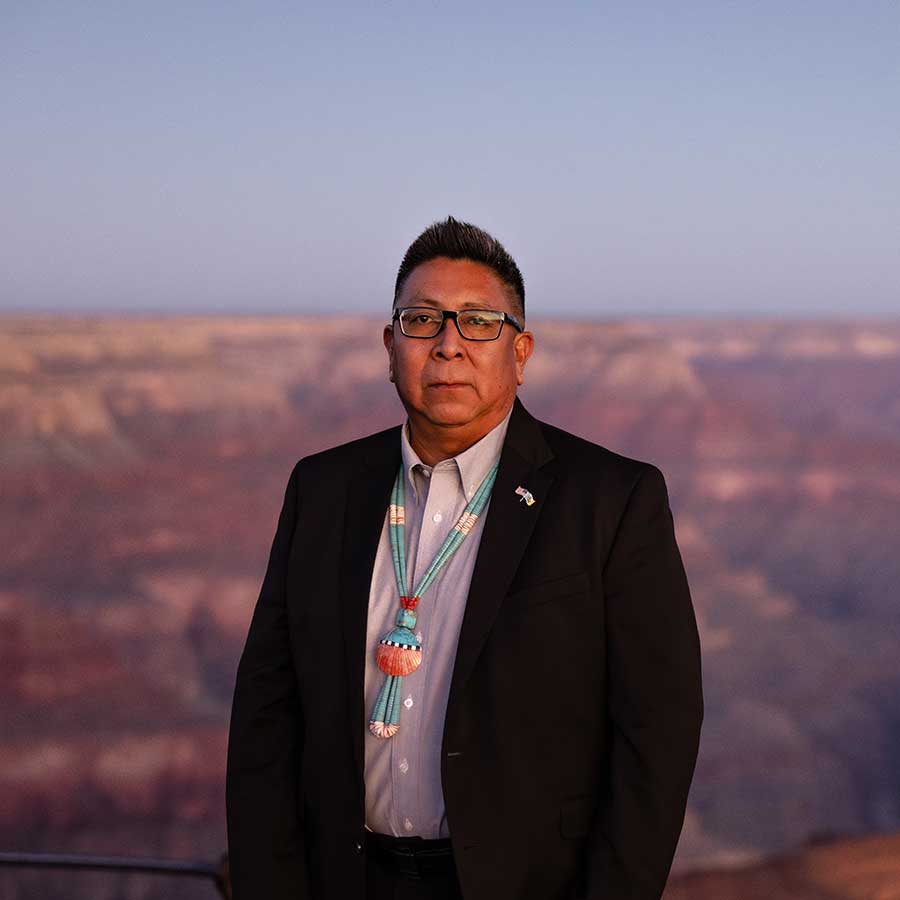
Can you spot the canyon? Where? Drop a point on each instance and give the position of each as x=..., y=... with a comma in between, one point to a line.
x=143, y=460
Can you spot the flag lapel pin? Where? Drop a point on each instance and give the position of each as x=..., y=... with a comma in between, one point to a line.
x=525, y=495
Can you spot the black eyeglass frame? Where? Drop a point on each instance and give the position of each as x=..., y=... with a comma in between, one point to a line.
x=452, y=314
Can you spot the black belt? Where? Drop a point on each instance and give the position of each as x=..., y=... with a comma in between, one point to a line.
x=414, y=857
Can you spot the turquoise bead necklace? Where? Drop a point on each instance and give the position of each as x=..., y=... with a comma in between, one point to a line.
x=399, y=652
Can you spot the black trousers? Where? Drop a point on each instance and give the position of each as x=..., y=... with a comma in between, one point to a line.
x=382, y=883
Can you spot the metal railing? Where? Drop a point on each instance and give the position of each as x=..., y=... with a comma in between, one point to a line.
x=217, y=873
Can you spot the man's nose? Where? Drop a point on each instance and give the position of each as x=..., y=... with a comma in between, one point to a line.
x=449, y=343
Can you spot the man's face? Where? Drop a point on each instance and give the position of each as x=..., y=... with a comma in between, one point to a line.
x=447, y=380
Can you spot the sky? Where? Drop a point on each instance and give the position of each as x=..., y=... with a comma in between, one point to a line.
x=732, y=158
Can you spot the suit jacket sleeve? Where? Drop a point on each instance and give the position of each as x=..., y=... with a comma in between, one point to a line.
x=655, y=702
x=265, y=834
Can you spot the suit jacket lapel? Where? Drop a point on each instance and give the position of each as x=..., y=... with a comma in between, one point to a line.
x=507, y=530
x=367, y=502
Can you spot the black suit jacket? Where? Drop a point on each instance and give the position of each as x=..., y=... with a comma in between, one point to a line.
x=574, y=714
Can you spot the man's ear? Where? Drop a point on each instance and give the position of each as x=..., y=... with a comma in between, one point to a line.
x=523, y=347
x=388, y=339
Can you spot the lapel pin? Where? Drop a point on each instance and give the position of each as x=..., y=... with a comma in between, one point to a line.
x=526, y=495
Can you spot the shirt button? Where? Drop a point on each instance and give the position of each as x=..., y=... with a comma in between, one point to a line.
x=437, y=517
x=408, y=702
x=408, y=825
x=359, y=847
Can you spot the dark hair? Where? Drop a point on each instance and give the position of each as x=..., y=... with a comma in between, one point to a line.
x=462, y=240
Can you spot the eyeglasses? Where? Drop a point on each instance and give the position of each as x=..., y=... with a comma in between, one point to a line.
x=472, y=324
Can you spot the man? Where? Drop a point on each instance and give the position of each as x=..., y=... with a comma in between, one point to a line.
x=473, y=669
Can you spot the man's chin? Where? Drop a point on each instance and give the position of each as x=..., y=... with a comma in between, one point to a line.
x=449, y=413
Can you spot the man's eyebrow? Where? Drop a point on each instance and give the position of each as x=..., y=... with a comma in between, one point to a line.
x=419, y=300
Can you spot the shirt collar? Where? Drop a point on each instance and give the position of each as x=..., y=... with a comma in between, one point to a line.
x=472, y=465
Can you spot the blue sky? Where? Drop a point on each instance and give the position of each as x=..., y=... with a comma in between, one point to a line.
x=693, y=157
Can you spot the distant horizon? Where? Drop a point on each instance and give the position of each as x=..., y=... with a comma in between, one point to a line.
x=539, y=315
